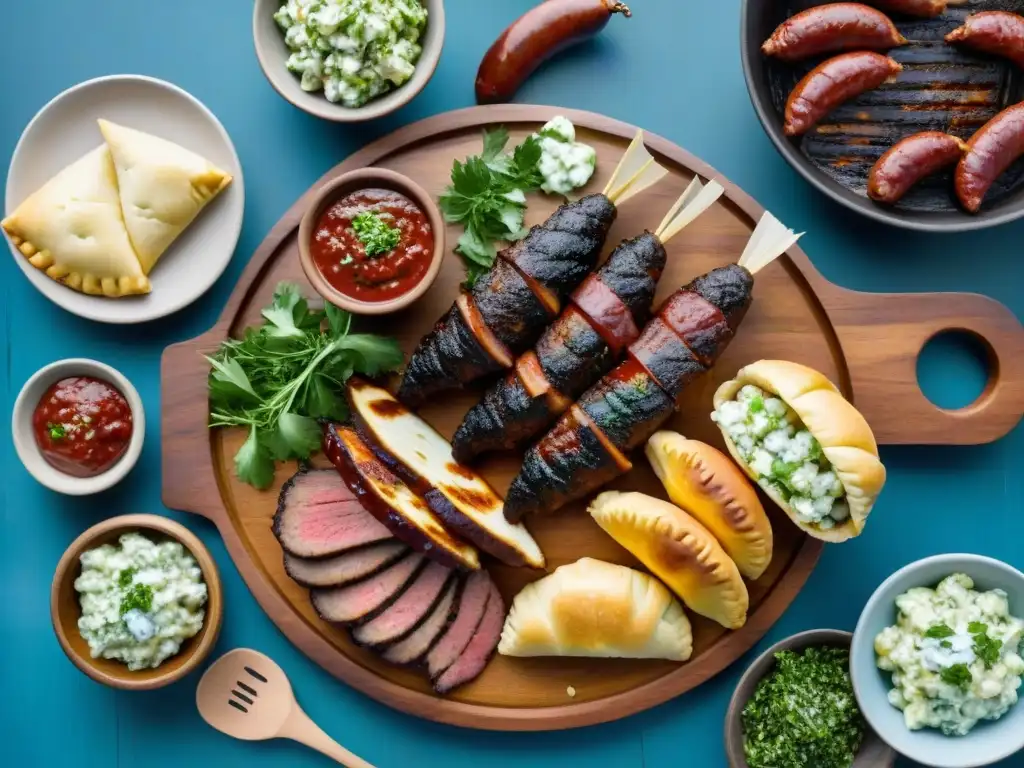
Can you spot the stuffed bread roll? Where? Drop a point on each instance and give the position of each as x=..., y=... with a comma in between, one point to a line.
x=811, y=451
x=593, y=608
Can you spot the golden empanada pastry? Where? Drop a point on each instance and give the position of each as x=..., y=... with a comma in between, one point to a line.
x=679, y=551
x=72, y=229
x=593, y=608
x=163, y=188
x=705, y=482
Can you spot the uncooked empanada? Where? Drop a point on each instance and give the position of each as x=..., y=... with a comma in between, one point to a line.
x=704, y=482
x=679, y=551
x=163, y=188
x=73, y=230
x=593, y=608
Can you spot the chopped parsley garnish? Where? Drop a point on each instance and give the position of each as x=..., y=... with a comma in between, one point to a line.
x=958, y=675
x=987, y=649
x=804, y=714
x=377, y=236
x=139, y=597
x=977, y=628
x=939, y=631
x=945, y=644
x=124, y=578
x=56, y=431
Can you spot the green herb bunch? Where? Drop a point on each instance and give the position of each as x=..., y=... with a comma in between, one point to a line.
x=488, y=196
x=287, y=373
x=377, y=236
x=803, y=714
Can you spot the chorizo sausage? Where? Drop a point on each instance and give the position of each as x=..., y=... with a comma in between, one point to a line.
x=830, y=28
x=833, y=82
x=995, y=32
x=990, y=152
x=910, y=160
x=924, y=8
x=536, y=36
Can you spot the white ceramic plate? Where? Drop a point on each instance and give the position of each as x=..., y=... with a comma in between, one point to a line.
x=65, y=129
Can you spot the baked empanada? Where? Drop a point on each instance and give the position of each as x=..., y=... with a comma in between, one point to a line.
x=812, y=452
x=73, y=230
x=163, y=188
x=707, y=484
x=679, y=551
x=593, y=608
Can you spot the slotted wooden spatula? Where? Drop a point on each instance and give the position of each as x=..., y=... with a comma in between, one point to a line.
x=246, y=695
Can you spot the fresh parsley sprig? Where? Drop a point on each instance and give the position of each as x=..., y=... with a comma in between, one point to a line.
x=487, y=196
x=283, y=376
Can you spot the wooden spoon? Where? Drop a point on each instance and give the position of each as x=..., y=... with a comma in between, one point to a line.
x=246, y=695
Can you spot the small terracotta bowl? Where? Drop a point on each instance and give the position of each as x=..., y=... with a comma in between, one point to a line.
x=353, y=181
x=65, y=610
x=873, y=753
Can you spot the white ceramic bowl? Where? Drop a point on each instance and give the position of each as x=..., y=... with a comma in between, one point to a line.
x=65, y=129
x=25, y=442
x=989, y=741
x=272, y=54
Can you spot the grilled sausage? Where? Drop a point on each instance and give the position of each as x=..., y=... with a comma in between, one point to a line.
x=535, y=37
x=508, y=306
x=628, y=404
x=996, y=32
x=831, y=28
x=990, y=151
x=833, y=82
x=667, y=358
x=910, y=160
x=926, y=9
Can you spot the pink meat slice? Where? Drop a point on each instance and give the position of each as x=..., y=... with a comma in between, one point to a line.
x=416, y=645
x=405, y=614
x=480, y=649
x=346, y=568
x=364, y=599
x=457, y=637
x=318, y=516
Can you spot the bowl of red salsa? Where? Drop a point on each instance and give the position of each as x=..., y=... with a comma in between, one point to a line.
x=372, y=241
x=78, y=426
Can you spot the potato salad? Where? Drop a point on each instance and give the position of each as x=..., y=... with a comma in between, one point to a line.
x=565, y=164
x=353, y=50
x=784, y=455
x=140, y=600
x=954, y=655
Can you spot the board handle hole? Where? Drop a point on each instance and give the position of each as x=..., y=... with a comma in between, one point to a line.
x=957, y=369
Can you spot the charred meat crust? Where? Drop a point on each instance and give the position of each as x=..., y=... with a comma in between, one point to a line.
x=468, y=529
x=509, y=308
x=506, y=417
x=627, y=405
x=728, y=288
x=414, y=648
x=668, y=360
x=358, y=474
x=632, y=272
x=346, y=568
x=572, y=354
x=567, y=464
x=559, y=253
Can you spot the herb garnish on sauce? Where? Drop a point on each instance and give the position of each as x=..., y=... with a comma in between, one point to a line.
x=377, y=236
x=56, y=431
x=803, y=714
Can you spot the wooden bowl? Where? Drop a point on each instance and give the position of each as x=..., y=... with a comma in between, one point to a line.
x=347, y=183
x=65, y=610
x=272, y=54
x=873, y=753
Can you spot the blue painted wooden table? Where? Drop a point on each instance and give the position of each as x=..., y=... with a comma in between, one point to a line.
x=672, y=69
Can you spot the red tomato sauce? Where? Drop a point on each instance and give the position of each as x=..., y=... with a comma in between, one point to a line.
x=82, y=426
x=341, y=257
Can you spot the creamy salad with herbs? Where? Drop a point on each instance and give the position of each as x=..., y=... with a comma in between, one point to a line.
x=954, y=654
x=140, y=600
x=352, y=50
x=784, y=455
x=565, y=164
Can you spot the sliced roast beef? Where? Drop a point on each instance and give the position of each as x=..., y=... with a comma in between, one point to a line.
x=359, y=602
x=573, y=458
x=474, y=658
x=666, y=357
x=414, y=647
x=406, y=613
x=509, y=307
x=455, y=639
x=346, y=568
x=317, y=516
x=391, y=501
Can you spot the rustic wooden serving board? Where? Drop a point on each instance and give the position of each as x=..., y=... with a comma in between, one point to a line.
x=868, y=344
